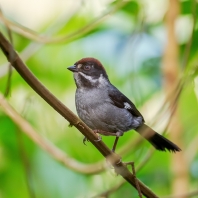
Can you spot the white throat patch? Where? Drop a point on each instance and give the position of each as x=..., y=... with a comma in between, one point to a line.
x=99, y=82
x=89, y=78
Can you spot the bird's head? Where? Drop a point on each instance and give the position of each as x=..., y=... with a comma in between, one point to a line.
x=89, y=73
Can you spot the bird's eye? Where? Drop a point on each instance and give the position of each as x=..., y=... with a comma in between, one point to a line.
x=87, y=67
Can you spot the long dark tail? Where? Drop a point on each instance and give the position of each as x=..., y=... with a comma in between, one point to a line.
x=157, y=140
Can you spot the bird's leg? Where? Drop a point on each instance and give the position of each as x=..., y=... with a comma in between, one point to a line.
x=115, y=144
x=106, y=133
x=118, y=134
x=134, y=174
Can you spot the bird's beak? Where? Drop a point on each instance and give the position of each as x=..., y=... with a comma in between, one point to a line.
x=73, y=68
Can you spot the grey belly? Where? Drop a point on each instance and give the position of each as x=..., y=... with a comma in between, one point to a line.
x=107, y=117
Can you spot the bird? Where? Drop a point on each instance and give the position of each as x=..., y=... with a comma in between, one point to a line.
x=106, y=110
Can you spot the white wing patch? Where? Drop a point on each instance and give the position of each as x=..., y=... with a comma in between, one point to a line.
x=127, y=105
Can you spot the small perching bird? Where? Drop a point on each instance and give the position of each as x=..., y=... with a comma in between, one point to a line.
x=106, y=110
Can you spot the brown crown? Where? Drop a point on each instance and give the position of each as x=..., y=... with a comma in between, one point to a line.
x=91, y=61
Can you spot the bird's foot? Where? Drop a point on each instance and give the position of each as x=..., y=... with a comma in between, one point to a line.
x=118, y=134
x=132, y=164
x=99, y=137
x=85, y=140
x=70, y=125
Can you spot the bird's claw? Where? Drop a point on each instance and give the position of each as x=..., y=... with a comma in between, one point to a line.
x=132, y=164
x=99, y=139
x=70, y=125
x=85, y=140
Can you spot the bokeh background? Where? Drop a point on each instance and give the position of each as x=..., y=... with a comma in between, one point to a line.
x=149, y=49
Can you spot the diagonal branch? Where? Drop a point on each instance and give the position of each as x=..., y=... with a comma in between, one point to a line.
x=36, y=85
x=47, y=146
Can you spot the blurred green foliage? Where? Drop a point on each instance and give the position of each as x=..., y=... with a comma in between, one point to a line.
x=131, y=48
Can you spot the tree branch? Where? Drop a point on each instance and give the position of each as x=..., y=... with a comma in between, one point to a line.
x=47, y=146
x=36, y=85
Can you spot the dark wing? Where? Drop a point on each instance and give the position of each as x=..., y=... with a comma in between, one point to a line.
x=121, y=101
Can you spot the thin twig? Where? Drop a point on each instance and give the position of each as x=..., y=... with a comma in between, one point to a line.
x=28, y=33
x=47, y=146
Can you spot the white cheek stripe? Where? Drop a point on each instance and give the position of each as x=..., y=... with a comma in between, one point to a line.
x=88, y=77
x=127, y=105
x=100, y=82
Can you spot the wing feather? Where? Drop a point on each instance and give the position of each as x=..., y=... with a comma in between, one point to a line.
x=121, y=101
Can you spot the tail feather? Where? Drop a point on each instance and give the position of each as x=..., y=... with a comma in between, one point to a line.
x=157, y=140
